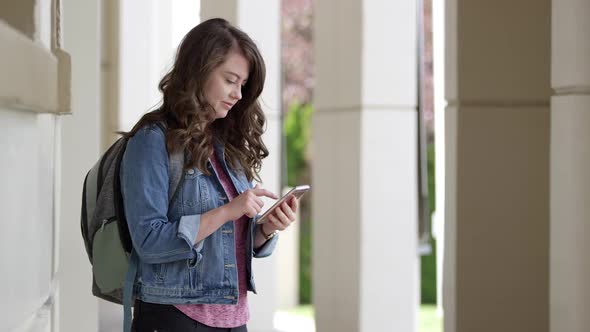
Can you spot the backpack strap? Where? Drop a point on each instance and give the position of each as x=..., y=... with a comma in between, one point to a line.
x=175, y=169
x=176, y=175
x=128, y=290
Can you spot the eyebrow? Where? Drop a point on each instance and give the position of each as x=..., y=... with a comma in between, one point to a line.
x=236, y=75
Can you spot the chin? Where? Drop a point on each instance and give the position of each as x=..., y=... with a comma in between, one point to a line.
x=221, y=115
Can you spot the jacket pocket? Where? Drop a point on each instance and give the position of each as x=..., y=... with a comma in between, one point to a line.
x=196, y=191
x=160, y=272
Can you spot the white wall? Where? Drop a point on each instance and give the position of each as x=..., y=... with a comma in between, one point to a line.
x=27, y=197
x=26, y=201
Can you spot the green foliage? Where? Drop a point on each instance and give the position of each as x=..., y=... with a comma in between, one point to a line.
x=305, y=286
x=297, y=128
x=428, y=276
x=428, y=263
x=431, y=187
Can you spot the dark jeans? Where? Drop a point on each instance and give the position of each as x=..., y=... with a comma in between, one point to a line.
x=150, y=317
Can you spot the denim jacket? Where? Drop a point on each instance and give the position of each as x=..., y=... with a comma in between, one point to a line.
x=172, y=269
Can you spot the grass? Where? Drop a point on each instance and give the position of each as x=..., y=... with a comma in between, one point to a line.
x=428, y=320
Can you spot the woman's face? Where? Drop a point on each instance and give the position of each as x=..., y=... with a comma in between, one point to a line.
x=223, y=89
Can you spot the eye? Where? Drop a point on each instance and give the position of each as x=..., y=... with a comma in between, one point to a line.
x=230, y=81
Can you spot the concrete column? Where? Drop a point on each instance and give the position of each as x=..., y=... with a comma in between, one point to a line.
x=570, y=161
x=365, y=256
x=438, y=217
x=80, y=146
x=260, y=20
x=111, y=91
x=497, y=166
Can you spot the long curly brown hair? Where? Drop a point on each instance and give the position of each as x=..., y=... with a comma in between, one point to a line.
x=188, y=116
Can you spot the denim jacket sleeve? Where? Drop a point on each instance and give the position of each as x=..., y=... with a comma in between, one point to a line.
x=144, y=185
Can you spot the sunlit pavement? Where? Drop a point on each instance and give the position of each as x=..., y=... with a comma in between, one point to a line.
x=288, y=322
x=302, y=320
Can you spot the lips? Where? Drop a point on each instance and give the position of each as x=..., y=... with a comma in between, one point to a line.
x=227, y=105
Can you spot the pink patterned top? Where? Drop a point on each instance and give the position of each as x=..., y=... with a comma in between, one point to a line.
x=225, y=315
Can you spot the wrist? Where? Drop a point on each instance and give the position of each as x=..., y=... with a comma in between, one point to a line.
x=267, y=234
x=222, y=214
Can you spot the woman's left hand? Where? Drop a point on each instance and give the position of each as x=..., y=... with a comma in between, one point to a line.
x=283, y=216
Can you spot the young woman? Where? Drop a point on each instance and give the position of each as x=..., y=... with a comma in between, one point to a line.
x=194, y=254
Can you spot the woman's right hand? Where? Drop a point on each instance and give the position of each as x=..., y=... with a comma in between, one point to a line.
x=247, y=203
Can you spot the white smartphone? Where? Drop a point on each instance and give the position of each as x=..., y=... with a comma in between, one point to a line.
x=297, y=192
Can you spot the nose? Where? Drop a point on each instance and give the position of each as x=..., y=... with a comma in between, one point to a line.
x=236, y=93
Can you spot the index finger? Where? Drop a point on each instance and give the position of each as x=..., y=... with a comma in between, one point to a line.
x=264, y=192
